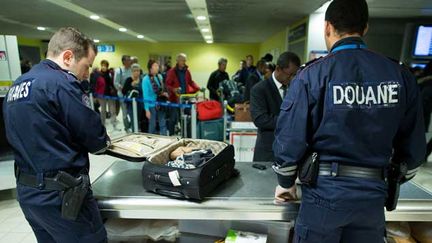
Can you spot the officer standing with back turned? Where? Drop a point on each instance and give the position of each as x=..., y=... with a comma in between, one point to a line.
x=350, y=128
x=51, y=128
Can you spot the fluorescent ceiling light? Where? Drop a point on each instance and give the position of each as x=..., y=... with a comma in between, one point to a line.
x=94, y=17
x=71, y=6
x=122, y=29
x=41, y=28
x=209, y=42
x=140, y=36
x=205, y=30
x=207, y=37
x=201, y=18
x=96, y=41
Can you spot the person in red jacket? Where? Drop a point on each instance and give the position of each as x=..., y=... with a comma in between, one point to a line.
x=179, y=81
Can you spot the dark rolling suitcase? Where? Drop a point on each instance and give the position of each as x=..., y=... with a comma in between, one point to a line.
x=211, y=130
x=194, y=184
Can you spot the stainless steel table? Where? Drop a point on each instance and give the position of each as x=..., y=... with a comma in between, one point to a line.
x=120, y=194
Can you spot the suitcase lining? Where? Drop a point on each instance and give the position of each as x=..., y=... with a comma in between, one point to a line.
x=163, y=156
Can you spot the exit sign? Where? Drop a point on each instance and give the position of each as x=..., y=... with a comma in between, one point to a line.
x=106, y=48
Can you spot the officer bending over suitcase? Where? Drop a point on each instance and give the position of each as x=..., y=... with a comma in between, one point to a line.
x=351, y=128
x=51, y=127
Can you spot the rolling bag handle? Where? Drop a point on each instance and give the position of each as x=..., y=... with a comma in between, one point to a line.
x=170, y=193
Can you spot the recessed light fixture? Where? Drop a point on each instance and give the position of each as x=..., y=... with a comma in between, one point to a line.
x=94, y=17
x=96, y=41
x=140, y=36
x=209, y=42
x=201, y=18
x=41, y=28
x=208, y=37
x=122, y=29
x=205, y=30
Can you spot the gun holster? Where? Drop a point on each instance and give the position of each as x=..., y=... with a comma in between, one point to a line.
x=395, y=175
x=73, y=197
x=309, y=170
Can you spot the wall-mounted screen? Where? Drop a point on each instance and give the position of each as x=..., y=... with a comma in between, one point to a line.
x=423, y=41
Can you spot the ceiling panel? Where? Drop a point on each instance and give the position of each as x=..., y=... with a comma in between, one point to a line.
x=400, y=8
x=43, y=13
x=255, y=20
x=162, y=20
x=242, y=21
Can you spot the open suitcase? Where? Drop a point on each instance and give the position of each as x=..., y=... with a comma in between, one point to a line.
x=175, y=182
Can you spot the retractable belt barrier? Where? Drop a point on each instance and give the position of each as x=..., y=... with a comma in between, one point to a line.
x=141, y=100
x=134, y=101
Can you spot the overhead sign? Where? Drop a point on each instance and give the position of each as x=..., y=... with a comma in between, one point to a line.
x=297, y=32
x=106, y=48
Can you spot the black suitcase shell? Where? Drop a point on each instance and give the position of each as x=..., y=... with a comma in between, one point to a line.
x=196, y=184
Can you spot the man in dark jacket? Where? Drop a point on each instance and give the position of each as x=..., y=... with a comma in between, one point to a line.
x=216, y=77
x=245, y=72
x=254, y=78
x=265, y=102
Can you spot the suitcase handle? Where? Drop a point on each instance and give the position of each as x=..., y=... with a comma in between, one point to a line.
x=162, y=179
x=170, y=193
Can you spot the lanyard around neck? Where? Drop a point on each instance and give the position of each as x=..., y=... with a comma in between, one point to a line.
x=349, y=46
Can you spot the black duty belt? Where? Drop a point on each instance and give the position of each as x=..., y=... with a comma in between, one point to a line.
x=57, y=183
x=335, y=169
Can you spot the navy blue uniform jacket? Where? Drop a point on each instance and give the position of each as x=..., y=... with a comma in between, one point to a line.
x=353, y=107
x=50, y=127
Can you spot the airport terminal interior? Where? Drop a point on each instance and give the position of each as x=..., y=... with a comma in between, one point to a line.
x=213, y=38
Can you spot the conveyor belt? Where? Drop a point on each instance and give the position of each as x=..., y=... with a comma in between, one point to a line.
x=120, y=195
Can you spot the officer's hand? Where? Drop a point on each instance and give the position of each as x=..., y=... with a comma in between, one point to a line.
x=148, y=115
x=285, y=194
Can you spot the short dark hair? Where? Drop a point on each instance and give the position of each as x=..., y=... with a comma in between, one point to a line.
x=69, y=38
x=124, y=57
x=222, y=60
x=271, y=66
x=268, y=57
x=286, y=58
x=348, y=16
x=104, y=62
x=150, y=64
x=261, y=63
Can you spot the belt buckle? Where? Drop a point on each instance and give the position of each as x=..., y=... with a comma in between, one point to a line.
x=334, y=171
x=40, y=181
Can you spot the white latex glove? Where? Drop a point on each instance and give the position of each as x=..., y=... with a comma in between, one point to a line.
x=286, y=194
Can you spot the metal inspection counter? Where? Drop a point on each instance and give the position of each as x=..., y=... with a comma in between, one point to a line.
x=120, y=194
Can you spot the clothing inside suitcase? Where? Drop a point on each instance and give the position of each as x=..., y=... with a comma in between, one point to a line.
x=156, y=149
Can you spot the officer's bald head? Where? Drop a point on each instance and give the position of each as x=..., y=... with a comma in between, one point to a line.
x=70, y=39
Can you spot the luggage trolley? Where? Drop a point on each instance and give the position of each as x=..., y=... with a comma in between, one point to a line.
x=188, y=115
x=191, y=127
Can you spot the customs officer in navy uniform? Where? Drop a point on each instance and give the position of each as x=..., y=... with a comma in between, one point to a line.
x=52, y=128
x=353, y=113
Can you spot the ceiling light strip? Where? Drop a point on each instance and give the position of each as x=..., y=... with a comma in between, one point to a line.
x=31, y=26
x=82, y=11
x=200, y=14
